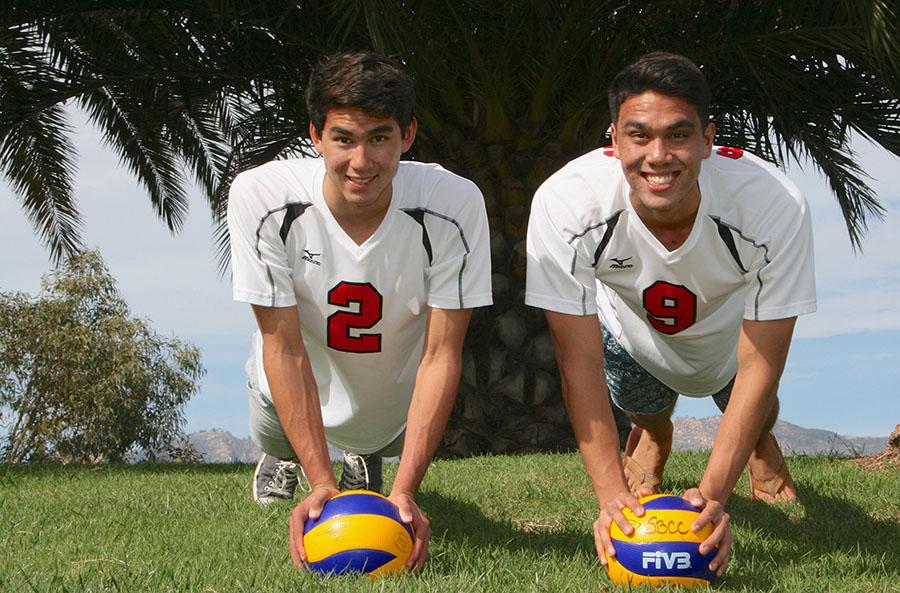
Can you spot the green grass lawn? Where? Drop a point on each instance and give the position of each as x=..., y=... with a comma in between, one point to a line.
x=511, y=524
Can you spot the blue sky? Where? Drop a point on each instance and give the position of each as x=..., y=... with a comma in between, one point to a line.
x=842, y=370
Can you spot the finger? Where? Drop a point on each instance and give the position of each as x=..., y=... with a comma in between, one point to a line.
x=422, y=531
x=632, y=502
x=316, y=503
x=721, y=530
x=712, y=513
x=293, y=544
x=296, y=524
x=694, y=497
x=616, y=515
x=422, y=552
x=404, y=505
x=720, y=562
x=645, y=490
x=602, y=541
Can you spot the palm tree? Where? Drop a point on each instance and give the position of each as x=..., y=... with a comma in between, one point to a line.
x=507, y=93
x=176, y=94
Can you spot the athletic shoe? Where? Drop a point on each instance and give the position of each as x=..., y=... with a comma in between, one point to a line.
x=361, y=472
x=276, y=479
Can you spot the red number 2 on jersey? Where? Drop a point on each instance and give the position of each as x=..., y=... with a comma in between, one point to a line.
x=671, y=308
x=339, y=324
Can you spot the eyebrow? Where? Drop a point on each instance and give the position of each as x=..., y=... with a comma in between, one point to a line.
x=376, y=130
x=681, y=123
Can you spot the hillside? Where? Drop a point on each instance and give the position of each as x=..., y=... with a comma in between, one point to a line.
x=691, y=434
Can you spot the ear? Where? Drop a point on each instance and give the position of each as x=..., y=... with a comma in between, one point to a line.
x=615, y=140
x=709, y=135
x=316, y=137
x=410, y=136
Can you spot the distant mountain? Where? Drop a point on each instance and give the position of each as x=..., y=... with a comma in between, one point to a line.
x=691, y=434
x=697, y=434
x=220, y=446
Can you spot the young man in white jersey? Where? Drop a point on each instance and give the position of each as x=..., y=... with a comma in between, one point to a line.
x=362, y=271
x=669, y=266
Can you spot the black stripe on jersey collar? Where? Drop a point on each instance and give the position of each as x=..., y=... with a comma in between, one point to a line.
x=292, y=212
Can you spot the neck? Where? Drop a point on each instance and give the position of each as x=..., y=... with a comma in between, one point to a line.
x=670, y=227
x=359, y=221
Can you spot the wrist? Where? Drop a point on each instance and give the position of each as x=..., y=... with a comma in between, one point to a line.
x=409, y=493
x=712, y=494
x=332, y=485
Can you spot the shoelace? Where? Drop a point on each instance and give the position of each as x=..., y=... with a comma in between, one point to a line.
x=358, y=466
x=285, y=471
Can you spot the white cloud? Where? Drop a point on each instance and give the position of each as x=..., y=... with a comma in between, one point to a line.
x=856, y=291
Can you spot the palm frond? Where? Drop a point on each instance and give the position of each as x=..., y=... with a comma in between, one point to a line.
x=134, y=132
x=38, y=161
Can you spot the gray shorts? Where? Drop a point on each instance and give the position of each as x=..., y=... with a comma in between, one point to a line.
x=266, y=430
x=636, y=391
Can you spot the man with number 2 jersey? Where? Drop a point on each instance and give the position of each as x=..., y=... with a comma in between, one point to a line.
x=362, y=271
x=665, y=266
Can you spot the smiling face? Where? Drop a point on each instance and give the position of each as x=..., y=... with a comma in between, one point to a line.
x=362, y=153
x=661, y=142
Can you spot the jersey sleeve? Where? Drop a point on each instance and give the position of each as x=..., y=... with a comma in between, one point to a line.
x=559, y=274
x=459, y=274
x=261, y=273
x=781, y=281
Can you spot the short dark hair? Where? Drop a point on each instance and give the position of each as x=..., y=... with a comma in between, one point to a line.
x=366, y=80
x=665, y=73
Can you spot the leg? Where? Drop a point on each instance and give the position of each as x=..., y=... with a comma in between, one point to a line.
x=770, y=480
x=364, y=472
x=265, y=427
x=649, y=404
x=648, y=449
x=277, y=473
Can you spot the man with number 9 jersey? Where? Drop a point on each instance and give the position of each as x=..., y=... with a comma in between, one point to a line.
x=362, y=271
x=665, y=266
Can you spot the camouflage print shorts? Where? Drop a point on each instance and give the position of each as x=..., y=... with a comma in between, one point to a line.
x=636, y=391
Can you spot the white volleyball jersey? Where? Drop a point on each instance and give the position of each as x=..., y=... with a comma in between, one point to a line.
x=679, y=313
x=362, y=307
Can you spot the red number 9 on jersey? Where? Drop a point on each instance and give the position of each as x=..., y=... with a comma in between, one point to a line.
x=339, y=324
x=671, y=308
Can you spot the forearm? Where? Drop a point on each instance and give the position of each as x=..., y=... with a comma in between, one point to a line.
x=437, y=382
x=762, y=352
x=587, y=403
x=296, y=399
x=739, y=431
x=579, y=354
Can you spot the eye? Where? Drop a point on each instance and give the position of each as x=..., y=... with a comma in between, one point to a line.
x=379, y=138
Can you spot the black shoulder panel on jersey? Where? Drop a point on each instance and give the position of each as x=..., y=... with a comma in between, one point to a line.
x=418, y=215
x=610, y=226
x=728, y=238
x=292, y=212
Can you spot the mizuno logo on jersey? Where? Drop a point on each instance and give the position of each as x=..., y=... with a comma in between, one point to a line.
x=620, y=263
x=310, y=257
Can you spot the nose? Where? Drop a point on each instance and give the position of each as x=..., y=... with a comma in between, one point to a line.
x=657, y=151
x=359, y=157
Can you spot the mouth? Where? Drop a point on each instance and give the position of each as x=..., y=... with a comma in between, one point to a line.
x=359, y=181
x=660, y=181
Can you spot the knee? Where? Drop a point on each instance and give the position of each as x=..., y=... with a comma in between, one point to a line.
x=658, y=424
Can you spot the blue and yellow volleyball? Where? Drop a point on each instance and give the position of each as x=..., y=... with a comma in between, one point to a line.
x=662, y=549
x=358, y=532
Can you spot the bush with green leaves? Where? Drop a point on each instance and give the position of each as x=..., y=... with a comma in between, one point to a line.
x=81, y=380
